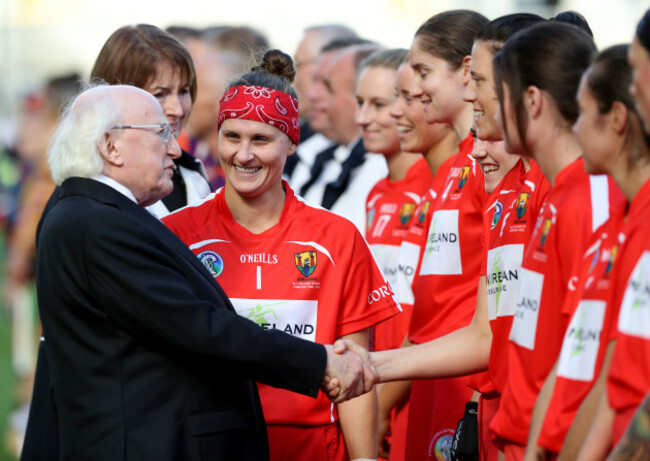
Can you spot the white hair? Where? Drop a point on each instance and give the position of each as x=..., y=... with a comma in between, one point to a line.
x=74, y=148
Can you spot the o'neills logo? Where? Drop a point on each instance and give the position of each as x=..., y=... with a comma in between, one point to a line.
x=258, y=258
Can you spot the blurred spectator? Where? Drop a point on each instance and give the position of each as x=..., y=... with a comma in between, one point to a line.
x=38, y=123
x=248, y=43
x=306, y=56
x=213, y=71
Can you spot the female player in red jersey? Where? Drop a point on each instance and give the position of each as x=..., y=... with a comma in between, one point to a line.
x=390, y=208
x=392, y=201
x=537, y=73
x=609, y=131
x=628, y=380
x=287, y=265
x=445, y=294
x=436, y=142
x=517, y=188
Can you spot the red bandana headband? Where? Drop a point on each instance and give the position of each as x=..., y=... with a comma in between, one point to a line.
x=261, y=104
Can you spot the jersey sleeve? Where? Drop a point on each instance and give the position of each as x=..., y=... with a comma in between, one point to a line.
x=367, y=297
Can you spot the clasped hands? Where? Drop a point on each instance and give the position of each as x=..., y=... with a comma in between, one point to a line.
x=349, y=373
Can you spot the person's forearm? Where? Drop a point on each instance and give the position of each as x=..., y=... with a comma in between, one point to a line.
x=358, y=419
x=459, y=353
x=635, y=444
x=533, y=450
x=599, y=440
x=584, y=417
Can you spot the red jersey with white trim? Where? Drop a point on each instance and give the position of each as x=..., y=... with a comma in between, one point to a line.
x=493, y=212
x=311, y=275
x=410, y=252
x=585, y=341
x=628, y=381
x=521, y=202
x=445, y=296
x=390, y=210
x=575, y=206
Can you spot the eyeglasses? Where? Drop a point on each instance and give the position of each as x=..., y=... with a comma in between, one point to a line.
x=165, y=133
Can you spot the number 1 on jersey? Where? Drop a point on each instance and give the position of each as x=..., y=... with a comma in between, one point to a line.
x=259, y=277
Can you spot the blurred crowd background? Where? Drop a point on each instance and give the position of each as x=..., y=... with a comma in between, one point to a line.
x=48, y=46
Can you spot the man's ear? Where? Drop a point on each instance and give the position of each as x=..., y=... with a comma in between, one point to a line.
x=109, y=150
x=292, y=149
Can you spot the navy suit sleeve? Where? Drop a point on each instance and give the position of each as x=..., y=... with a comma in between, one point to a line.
x=155, y=294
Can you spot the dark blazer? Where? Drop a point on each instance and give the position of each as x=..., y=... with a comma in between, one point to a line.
x=148, y=358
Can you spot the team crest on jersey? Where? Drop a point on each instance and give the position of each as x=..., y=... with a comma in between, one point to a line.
x=406, y=212
x=306, y=262
x=498, y=209
x=522, y=203
x=463, y=176
x=423, y=212
x=612, y=258
x=212, y=261
x=546, y=228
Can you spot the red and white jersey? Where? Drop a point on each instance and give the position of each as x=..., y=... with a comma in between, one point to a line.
x=445, y=296
x=629, y=374
x=585, y=342
x=390, y=210
x=410, y=252
x=311, y=275
x=511, y=221
x=575, y=207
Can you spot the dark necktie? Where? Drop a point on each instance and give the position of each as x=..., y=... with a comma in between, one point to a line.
x=317, y=168
x=337, y=188
x=177, y=199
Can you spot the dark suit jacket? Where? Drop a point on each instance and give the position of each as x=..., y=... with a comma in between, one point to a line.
x=148, y=358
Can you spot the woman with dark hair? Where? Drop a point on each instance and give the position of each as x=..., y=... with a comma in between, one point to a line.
x=517, y=188
x=450, y=261
x=537, y=73
x=436, y=143
x=149, y=58
x=285, y=264
x=606, y=102
x=639, y=56
x=611, y=138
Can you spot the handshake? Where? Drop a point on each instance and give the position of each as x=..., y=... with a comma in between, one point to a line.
x=349, y=373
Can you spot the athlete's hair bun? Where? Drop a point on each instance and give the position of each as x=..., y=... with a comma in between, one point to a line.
x=275, y=62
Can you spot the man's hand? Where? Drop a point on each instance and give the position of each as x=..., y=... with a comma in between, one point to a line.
x=348, y=373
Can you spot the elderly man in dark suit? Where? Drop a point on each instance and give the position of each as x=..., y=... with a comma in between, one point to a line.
x=148, y=358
